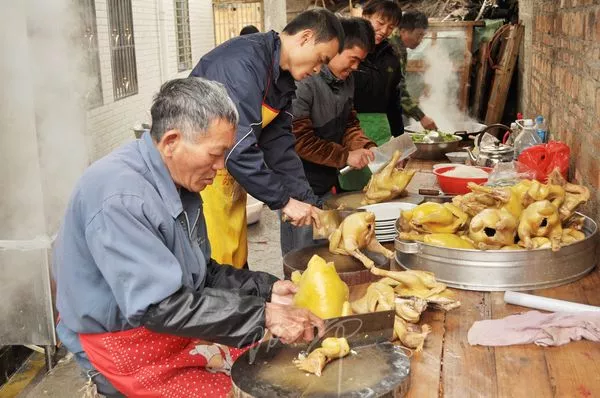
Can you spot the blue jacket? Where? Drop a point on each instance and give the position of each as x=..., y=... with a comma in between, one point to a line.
x=263, y=159
x=130, y=239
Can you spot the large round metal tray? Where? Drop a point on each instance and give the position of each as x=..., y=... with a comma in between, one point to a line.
x=499, y=270
x=350, y=270
x=352, y=200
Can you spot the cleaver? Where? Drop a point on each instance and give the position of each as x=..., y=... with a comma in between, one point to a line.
x=359, y=330
x=383, y=153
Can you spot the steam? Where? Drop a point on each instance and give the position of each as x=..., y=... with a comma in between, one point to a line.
x=42, y=145
x=43, y=151
x=440, y=96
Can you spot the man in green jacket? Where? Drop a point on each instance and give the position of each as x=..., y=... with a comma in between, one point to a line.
x=410, y=34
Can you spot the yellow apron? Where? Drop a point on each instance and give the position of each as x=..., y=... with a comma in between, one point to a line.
x=225, y=212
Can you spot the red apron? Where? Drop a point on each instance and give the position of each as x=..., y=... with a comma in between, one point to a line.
x=142, y=363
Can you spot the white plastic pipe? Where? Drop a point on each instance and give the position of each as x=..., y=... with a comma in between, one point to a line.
x=545, y=303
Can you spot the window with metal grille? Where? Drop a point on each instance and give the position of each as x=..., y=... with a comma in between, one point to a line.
x=89, y=41
x=184, y=42
x=231, y=16
x=122, y=48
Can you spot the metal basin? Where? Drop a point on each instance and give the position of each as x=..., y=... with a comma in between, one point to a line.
x=435, y=151
x=499, y=270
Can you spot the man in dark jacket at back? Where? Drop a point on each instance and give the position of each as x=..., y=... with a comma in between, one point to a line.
x=328, y=134
x=259, y=71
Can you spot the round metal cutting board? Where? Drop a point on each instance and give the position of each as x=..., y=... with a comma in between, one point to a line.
x=378, y=370
x=352, y=200
x=350, y=270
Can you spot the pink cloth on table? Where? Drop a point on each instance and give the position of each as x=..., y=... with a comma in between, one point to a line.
x=552, y=329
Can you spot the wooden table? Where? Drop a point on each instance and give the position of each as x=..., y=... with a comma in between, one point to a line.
x=450, y=367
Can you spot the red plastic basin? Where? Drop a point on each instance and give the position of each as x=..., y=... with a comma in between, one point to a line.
x=456, y=185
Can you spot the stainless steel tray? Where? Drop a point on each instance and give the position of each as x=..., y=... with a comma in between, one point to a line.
x=499, y=270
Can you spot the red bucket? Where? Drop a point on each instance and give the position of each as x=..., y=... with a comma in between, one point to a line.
x=456, y=185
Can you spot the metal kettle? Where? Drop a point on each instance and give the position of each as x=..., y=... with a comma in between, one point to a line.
x=491, y=155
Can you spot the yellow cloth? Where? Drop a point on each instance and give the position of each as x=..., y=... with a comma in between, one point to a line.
x=226, y=218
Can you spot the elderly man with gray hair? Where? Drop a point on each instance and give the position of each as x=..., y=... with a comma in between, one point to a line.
x=142, y=305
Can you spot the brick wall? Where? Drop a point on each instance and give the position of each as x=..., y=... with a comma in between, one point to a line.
x=561, y=72
x=109, y=125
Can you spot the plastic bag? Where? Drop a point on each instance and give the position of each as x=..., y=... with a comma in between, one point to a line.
x=546, y=157
x=506, y=174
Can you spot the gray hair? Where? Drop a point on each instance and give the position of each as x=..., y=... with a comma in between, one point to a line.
x=190, y=105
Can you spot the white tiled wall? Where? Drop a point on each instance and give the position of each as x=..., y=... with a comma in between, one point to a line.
x=110, y=125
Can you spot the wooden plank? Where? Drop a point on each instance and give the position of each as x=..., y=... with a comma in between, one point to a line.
x=455, y=24
x=425, y=367
x=480, y=81
x=467, y=371
x=503, y=75
x=574, y=368
x=520, y=369
x=467, y=63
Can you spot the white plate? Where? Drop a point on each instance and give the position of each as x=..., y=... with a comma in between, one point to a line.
x=388, y=211
x=393, y=235
x=384, y=240
x=386, y=228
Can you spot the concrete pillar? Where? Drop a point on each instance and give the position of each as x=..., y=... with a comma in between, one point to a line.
x=275, y=15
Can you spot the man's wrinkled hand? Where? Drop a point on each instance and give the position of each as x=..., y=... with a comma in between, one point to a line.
x=428, y=123
x=283, y=292
x=292, y=324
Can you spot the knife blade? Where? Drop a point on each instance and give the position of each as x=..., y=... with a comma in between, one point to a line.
x=359, y=330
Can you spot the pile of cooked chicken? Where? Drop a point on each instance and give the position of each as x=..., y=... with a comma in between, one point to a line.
x=528, y=215
x=409, y=293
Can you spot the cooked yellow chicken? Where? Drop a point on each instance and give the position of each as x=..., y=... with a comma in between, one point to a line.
x=413, y=283
x=410, y=309
x=387, y=183
x=379, y=297
x=540, y=219
x=410, y=335
x=356, y=233
x=571, y=235
x=538, y=191
x=575, y=195
x=493, y=229
x=508, y=198
x=331, y=348
x=321, y=290
x=431, y=217
x=443, y=240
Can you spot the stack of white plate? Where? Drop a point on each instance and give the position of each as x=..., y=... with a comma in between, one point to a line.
x=386, y=215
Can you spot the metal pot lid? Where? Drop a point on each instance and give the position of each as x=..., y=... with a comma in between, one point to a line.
x=497, y=149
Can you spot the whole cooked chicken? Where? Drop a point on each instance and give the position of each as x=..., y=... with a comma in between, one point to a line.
x=331, y=348
x=431, y=217
x=540, y=219
x=387, y=183
x=355, y=233
x=493, y=229
x=321, y=290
